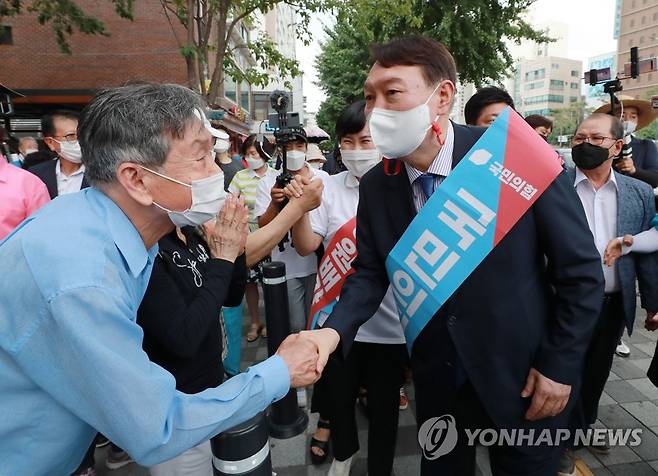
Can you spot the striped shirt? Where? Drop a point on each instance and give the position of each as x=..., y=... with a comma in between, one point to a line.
x=245, y=183
x=440, y=167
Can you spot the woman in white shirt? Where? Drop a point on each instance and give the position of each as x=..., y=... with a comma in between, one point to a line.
x=378, y=355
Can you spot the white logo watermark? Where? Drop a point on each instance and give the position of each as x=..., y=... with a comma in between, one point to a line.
x=438, y=436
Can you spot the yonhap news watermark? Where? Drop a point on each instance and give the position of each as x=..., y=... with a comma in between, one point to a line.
x=438, y=436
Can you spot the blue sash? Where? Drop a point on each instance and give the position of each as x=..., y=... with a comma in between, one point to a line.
x=498, y=180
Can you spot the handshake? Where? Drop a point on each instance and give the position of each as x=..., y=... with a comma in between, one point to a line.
x=306, y=354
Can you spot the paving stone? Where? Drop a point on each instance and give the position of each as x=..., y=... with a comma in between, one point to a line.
x=406, y=466
x=289, y=452
x=624, y=392
x=642, y=364
x=606, y=400
x=648, y=348
x=648, y=448
x=645, y=412
x=601, y=472
x=628, y=369
x=615, y=417
x=635, y=469
x=645, y=386
x=612, y=377
x=637, y=337
x=654, y=465
x=588, y=458
x=619, y=455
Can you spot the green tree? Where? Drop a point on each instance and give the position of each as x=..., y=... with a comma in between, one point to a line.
x=475, y=31
x=566, y=120
x=208, y=20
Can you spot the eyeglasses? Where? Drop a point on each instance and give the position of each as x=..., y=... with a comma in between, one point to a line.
x=595, y=140
x=72, y=137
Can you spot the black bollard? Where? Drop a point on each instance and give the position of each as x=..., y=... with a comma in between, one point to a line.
x=244, y=449
x=285, y=419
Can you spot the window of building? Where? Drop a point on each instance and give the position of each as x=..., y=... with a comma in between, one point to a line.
x=574, y=73
x=630, y=43
x=244, y=96
x=557, y=84
x=573, y=99
x=655, y=16
x=642, y=40
x=574, y=85
x=261, y=107
x=6, y=37
x=555, y=66
x=633, y=4
x=535, y=85
x=643, y=19
x=632, y=23
x=230, y=88
x=555, y=98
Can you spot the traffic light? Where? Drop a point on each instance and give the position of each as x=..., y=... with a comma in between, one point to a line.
x=635, y=62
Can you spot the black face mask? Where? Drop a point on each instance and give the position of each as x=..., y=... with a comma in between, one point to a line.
x=587, y=156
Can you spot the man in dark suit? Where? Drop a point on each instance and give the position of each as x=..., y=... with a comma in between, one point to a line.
x=65, y=174
x=506, y=350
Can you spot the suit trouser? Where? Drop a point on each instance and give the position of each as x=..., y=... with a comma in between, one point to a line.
x=436, y=374
x=600, y=353
x=380, y=369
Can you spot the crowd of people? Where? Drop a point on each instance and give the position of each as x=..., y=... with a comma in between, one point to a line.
x=122, y=319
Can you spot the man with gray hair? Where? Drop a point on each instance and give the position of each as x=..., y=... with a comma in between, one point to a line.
x=71, y=359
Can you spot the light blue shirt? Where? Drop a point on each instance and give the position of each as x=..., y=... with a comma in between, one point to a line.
x=71, y=358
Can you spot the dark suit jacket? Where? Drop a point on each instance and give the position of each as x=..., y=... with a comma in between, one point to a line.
x=533, y=302
x=46, y=172
x=635, y=211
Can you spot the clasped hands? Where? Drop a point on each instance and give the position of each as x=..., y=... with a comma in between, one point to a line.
x=306, y=355
x=305, y=192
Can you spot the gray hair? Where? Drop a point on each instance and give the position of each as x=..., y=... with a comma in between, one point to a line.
x=133, y=123
x=616, y=126
x=25, y=141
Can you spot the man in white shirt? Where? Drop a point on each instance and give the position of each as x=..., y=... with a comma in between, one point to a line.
x=65, y=174
x=613, y=204
x=300, y=270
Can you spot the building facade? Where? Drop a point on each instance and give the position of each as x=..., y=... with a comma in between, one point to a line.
x=595, y=94
x=547, y=83
x=638, y=26
x=279, y=24
x=144, y=49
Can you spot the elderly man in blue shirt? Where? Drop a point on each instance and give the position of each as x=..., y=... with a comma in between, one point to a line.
x=71, y=359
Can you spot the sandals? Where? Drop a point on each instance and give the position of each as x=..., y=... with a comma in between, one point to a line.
x=254, y=332
x=319, y=444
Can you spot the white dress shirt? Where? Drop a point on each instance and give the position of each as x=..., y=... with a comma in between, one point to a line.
x=601, y=210
x=68, y=183
x=440, y=167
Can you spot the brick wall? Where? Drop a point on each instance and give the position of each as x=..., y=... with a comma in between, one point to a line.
x=143, y=49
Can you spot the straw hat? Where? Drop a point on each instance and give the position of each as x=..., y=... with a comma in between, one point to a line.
x=645, y=112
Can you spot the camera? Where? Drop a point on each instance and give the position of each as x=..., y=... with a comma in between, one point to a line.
x=287, y=129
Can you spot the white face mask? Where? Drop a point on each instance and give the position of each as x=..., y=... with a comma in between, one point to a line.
x=221, y=145
x=70, y=150
x=30, y=151
x=208, y=196
x=316, y=164
x=295, y=159
x=358, y=162
x=398, y=133
x=629, y=127
x=254, y=164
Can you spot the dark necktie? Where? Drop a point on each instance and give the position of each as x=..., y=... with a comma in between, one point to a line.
x=427, y=184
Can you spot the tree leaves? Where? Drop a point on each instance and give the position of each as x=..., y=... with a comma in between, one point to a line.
x=473, y=30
